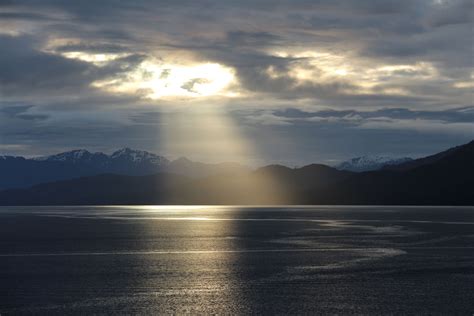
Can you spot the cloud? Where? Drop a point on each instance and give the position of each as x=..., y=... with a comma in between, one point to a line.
x=303, y=71
x=189, y=85
x=25, y=69
x=22, y=112
x=456, y=121
x=454, y=115
x=29, y=71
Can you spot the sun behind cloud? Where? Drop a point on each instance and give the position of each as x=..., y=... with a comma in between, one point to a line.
x=161, y=80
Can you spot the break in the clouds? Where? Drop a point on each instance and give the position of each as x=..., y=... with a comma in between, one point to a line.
x=294, y=81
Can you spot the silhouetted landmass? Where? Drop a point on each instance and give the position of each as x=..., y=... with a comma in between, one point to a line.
x=20, y=172
x=443, y=179
x=422, y=161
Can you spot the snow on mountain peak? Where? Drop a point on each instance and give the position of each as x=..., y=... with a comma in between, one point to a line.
x=138, y=156
x=123, y=155
x=370, y=163
x=74, y=156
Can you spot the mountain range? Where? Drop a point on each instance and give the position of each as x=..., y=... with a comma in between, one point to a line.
x=446, y=178
x=18, y=172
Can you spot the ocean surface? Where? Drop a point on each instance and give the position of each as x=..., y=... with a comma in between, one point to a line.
x=236, y=260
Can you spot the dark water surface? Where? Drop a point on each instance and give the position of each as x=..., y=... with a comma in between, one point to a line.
x=234, y=260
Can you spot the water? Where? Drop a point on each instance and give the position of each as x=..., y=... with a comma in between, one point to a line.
x=234, y=260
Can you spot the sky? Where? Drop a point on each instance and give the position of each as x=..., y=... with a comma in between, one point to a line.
x=280, y=81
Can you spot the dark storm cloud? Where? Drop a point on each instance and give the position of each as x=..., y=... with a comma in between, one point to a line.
x=241, y=51
x=392, y=29
x=25, y=70
x=446, y=38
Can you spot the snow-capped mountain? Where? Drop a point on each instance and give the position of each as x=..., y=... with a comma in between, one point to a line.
x=122, y=161
x=370, y=163
x=77, y=156
x=124, y=155
x=139, y=156
x=23, y=172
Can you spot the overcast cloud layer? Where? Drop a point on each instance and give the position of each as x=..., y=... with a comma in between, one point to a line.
x=295, y=81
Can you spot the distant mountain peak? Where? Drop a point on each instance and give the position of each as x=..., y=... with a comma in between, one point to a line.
x=123, y=151
x=370, y=163
x=83, y=156
x=182, y=159
x=73, y=156
x=182, y=162
x=5, y=157
x=275, y=168
x=138, y=156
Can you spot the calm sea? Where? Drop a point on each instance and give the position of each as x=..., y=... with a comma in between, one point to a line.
x=234, y=260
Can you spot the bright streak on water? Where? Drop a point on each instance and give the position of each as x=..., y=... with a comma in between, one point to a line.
x=236, y=260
